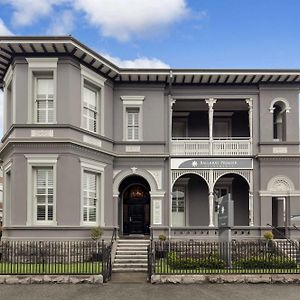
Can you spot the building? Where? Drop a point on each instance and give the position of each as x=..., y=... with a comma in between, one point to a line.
x=88, y=144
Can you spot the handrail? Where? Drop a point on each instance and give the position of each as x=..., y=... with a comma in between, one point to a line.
x=289, y=240
x=114, y=236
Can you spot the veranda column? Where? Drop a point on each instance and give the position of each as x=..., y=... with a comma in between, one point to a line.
x=211, y=199
x=250, y=114
x=115, y=211
x=171, y=103
x=210, y=102
x=251, y=205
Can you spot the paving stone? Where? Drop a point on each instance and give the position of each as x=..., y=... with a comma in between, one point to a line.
x=2, y=279
x=37, y=279
x=81, y=279
x=263, y=278
x=56, y=278
x=98, y=279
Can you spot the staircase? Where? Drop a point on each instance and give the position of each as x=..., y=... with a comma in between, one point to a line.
x=131, y=256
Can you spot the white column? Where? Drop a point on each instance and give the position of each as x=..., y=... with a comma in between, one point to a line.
x=210, y=102
x=251, y=223
x=250, y=114
x=211, y=199
x=171, y=103
x=116, y=209
x=251, y=204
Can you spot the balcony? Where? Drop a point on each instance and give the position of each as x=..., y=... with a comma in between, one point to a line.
x=218, y=147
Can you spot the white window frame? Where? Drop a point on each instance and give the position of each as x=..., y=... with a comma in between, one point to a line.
x=36, y=78
x=184, y=185
x=6, y=212
x=92, y=166
x=92, y=79
x=9, y=80
x=36, y=66
x=36, y=161
x=134, y=102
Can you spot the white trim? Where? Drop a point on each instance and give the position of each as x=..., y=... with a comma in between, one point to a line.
x=94, y=167
x=97, y=80
x=9, y=81
x=286, y=103
x=38, y=65
x=39, y=160
x=132, y=102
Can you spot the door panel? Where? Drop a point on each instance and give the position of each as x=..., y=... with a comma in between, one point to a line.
x=136, y=216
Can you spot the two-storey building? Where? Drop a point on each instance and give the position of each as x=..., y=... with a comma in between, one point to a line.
x=87, y=143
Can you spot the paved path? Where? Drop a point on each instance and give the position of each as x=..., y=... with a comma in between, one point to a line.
x=112, y=291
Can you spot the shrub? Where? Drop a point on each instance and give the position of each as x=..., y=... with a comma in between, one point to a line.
x=96, y=233
x=162, y=237
x=258, y=262
x=268, y=235
x=176, y=262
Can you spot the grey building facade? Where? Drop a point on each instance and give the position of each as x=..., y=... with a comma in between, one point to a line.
x=88, y=144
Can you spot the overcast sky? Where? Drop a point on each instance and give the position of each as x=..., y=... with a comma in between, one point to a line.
x=163, y=33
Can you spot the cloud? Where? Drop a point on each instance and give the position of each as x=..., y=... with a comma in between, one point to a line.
x=26, y=12
x=141, y=62
x=62, y=23
x=3, y=29
x=125, y=19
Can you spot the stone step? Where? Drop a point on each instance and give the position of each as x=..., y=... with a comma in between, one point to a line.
x=137, y=241
x=132, y=251
x=131, y=260
x=131, y=256
x=129, y=270
x=132, y=245
x=130, y=265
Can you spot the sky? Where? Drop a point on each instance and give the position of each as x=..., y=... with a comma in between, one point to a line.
x=167, y=33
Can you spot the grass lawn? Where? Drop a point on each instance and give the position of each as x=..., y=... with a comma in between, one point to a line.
x=161, y=267
x=71, y=268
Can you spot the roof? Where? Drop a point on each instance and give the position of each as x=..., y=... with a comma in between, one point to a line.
x=41, y=46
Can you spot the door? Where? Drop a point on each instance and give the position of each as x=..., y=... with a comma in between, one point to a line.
x=136, y=218
x=278, y=217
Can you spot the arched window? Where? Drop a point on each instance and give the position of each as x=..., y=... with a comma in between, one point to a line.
x=279, y=109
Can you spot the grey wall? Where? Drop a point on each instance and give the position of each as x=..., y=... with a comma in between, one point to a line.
x=198, y=202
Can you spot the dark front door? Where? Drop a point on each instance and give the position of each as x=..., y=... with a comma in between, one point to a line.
x=136, y=216
x=136, y=210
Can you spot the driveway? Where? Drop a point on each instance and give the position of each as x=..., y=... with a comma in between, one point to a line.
x=112, y=291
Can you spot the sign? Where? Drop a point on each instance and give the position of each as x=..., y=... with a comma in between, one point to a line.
x=225, y=215
x=212, y=163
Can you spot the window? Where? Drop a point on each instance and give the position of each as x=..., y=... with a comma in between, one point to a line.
x=92, y=101
x=178, y=199
x=43, y=193
x=7, y=194
x=9, y=99
x=41, y=189
x=92, y=192
x=132, y=117
x=133, y=124
x=42, y=75
x=44, y=100
x=90, y=196
x=90, y=108
x=279, y=123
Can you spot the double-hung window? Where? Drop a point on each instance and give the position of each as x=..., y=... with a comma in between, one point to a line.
x=43, y=193
x=90, y=108
x=41, y=189
x=44, y=100
x=133, y=124
x=90, y=196
x=92, y=192
x=42, y=86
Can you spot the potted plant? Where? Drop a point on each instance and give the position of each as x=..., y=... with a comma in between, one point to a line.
x=162, y=247
x=96, y=233
x=269, y=236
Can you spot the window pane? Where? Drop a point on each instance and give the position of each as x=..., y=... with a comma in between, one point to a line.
x=90, y=193
x=41, y=212
x=50, y=213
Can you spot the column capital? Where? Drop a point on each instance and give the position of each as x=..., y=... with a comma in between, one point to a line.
x=172, y=101
x=210, y=102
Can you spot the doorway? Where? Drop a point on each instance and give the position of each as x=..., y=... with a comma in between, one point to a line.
x=279, y=217
x=135, y=206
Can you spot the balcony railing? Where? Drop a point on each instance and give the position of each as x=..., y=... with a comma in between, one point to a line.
x=218, y=146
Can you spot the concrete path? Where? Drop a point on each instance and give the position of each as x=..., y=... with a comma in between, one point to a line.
x=113, y=291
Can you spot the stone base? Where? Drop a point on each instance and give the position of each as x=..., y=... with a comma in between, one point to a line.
x=227, y=278
x=39, y=279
